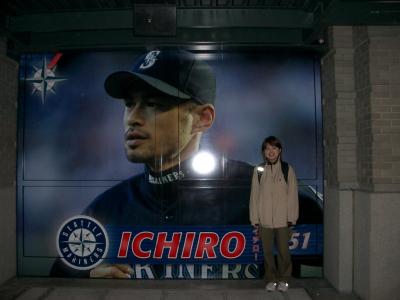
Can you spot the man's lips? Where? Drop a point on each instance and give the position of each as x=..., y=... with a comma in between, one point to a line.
x=134, y=138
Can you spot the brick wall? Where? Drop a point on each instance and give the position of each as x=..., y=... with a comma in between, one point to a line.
x=363, y=107
x=339, y=110
x=8, y=124
x=329, y=111
x=377, y=77
x=8, y=121
x=384, y=57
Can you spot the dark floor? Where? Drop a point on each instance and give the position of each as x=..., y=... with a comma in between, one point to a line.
x=76, y=289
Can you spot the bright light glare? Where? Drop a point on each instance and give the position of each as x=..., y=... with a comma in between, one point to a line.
x=261, y=169
x=203, y=163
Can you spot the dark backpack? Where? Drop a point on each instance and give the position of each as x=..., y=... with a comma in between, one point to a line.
x=284, y=167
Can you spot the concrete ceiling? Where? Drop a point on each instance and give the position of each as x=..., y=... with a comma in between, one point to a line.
x=54, y=25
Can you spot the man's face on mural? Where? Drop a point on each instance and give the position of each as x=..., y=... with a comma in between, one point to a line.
x=156, y=128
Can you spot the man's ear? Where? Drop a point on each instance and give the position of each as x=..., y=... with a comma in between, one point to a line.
x=203, y=117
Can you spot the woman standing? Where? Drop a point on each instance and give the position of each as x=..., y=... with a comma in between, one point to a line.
x=274, y=209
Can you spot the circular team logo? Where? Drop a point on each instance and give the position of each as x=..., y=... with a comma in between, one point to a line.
x=82, y=242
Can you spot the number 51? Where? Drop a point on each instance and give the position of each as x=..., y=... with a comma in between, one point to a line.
x=294, y=241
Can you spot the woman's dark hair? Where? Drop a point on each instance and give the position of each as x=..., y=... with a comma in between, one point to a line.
x=273, y=141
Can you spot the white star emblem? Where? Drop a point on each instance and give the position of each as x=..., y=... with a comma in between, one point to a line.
x=44, y=79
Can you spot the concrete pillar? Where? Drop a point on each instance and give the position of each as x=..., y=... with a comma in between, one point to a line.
x=361, y=103
x=377, y=201
x=340, y=165
x=8, y=128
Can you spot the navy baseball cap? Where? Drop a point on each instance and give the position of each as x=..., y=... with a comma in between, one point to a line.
x=175, y=72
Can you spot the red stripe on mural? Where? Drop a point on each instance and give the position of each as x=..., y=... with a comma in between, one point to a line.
x=54, y=61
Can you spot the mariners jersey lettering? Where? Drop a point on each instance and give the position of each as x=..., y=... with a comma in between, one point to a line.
x=168, y=178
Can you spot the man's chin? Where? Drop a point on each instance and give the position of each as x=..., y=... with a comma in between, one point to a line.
x=136, y=157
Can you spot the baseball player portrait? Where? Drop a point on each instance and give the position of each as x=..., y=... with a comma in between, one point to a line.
x=169, y=104
x=168, y=99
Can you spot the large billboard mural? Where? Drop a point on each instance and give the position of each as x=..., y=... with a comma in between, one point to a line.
x=138, y=164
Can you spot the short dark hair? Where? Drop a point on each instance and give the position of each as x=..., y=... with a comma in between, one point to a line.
x=273, y=141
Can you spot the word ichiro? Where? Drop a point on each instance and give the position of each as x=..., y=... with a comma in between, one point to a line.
x=189, y=245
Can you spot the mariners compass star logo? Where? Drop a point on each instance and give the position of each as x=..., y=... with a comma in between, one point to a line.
x=44, y=77
x=82, y=242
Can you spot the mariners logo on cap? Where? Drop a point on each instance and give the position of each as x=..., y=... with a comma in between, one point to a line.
x=149, y=59
x=82, y=242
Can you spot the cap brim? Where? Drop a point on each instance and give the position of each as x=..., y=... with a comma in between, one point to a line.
x=120, y=84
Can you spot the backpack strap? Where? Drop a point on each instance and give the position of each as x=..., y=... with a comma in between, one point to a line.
x=284, y=167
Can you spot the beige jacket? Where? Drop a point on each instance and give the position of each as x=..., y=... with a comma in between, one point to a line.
x=273, y=202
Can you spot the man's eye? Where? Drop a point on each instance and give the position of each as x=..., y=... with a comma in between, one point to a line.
x=157, y=105
x=152, y=104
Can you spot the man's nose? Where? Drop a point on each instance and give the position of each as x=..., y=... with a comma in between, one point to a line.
x=136, y=115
